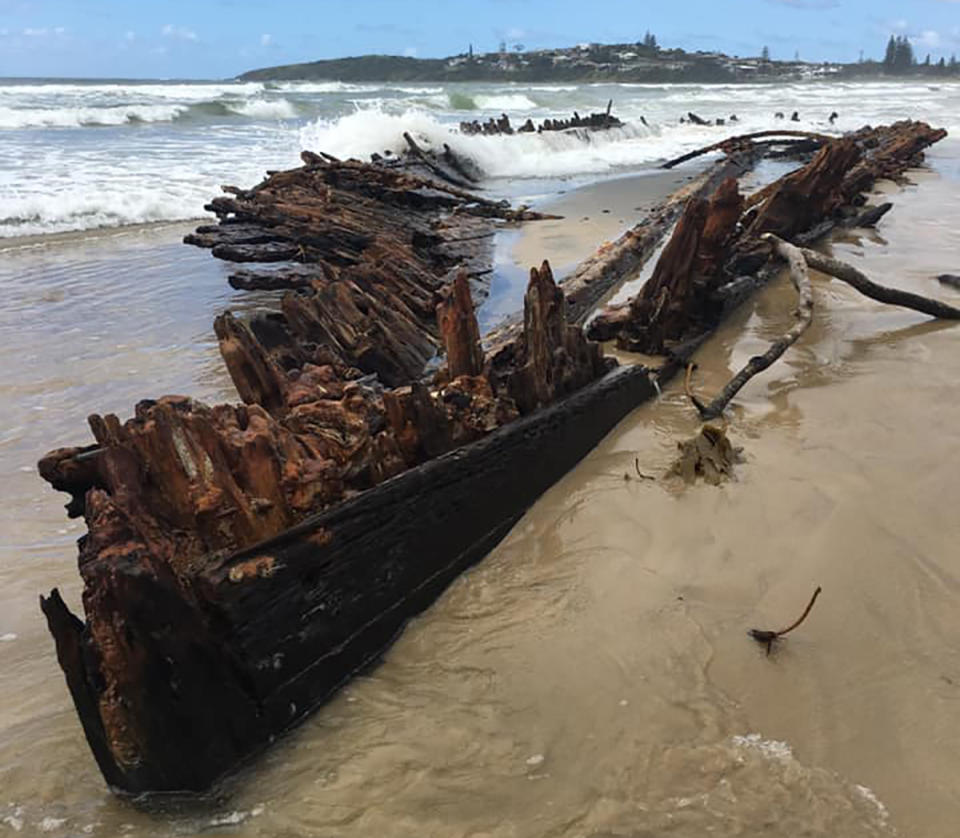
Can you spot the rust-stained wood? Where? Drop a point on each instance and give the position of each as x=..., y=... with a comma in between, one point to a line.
x=369, y=251
x=699, y=273
x=688, y=272
x=461, y=334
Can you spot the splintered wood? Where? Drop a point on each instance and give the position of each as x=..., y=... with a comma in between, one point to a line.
x=717, y=244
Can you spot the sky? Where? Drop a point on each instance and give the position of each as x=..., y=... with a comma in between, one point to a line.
x=213, y=39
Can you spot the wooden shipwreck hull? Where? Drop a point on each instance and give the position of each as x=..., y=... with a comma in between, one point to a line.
x=214, y=667
x=243, y=561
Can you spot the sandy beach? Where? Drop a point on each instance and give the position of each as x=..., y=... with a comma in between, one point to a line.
x=591, y=677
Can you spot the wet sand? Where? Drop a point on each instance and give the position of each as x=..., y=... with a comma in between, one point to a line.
x=592, y=677
x=591, y=215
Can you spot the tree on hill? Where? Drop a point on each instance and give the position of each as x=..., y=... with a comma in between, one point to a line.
x=891, y=53
x=899, y=56
x=650, y=40
x=765, y=54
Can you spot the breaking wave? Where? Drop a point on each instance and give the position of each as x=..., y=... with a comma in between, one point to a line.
x=554, y=154
x=93, y=116
x=87, y=117
x=264, y=109
x=157, y=90
x=508, y=102
x=91, y=209
x=503, y=103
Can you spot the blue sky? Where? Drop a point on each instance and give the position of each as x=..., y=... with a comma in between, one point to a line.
x=222, y=38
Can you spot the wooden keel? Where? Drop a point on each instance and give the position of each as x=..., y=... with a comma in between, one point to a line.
x=217, y=666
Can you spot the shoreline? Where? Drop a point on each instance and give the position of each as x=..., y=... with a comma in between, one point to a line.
x=69, y=237
x=558, y=198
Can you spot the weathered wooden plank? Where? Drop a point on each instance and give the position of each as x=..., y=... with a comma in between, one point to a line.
x=223, y=663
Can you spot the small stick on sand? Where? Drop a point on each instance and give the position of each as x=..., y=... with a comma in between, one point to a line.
x=769, y=637
x=636, y=465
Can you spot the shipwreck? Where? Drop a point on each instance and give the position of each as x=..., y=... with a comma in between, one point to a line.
x=243, y=561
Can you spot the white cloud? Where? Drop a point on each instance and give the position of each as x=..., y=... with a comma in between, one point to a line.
x=266, y=39
x=410, y=52
x=44, y=32
x=180, y=32
x=928, y=38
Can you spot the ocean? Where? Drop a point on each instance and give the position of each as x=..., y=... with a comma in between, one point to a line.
x=86, y=155
x=592, y=677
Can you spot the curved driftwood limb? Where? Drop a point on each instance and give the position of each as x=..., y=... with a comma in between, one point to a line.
x=801, y=281
x=683, y=158
x=768, y=638
x=869, y=288
x=687, y=387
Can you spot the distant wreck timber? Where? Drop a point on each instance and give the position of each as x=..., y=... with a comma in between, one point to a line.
x=242, y=562
x=592, y=122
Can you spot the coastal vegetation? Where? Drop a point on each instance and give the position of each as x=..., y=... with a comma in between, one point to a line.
x=643, y=61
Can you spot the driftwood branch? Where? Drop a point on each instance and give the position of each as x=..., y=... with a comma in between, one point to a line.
x=801, y=281
x=769, y=637
x=800, y=258
x=881, y=293
x=738, y=140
